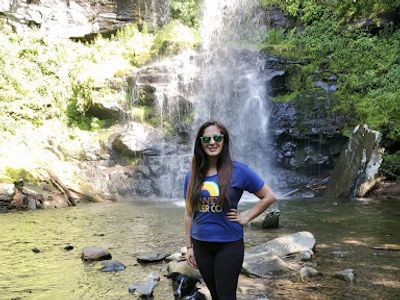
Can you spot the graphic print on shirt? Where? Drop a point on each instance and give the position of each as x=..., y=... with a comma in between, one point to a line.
x=209, y=200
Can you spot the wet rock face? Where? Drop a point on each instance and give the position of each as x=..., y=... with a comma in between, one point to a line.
x=82, y=18
x=275, y=18
x=154, y=12
x=306, y=133
x=166, y=90
x=307, y=137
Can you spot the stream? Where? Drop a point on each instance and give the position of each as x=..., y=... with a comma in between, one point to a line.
x=344, y=231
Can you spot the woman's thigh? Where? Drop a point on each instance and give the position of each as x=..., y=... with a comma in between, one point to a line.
x=228, y=263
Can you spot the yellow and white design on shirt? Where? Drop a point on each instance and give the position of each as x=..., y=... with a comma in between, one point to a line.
x=209, y=202
x=211, y=187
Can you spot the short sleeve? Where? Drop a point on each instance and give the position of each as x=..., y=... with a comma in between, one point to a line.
x=252, y=182
x=185, y=185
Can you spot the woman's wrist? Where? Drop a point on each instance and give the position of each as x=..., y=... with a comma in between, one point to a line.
x=190, y=246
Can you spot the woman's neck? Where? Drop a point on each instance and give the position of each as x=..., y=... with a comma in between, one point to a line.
x=212, y=166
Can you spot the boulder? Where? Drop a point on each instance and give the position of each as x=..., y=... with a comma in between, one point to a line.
x=95, y=253
x=107, y=111
x=6, y=195
x=271, y=219
x=111, y=266
x=307, y=272
x=269, y=258
x=284, y=245
x=183, y=268
x=175, y=257
x=145, y=288
x=358, y=164
x=262, y=265
x=346, y=275
x=137, y=140
x=153, y=257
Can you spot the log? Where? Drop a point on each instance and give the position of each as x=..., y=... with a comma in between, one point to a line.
x=367, y=186
x=388, y=247
x=312, y=187
x=61, y=187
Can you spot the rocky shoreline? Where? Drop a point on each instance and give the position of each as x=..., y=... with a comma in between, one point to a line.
x=289, y=257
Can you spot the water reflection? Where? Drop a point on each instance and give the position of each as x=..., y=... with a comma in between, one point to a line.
x=345, y=232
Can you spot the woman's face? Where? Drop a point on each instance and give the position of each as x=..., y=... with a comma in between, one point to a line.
x=212, y=148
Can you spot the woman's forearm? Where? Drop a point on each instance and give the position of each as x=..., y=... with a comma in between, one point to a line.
x=188, y=224
x=267, y=197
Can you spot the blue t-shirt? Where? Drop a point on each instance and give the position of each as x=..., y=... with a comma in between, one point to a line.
x=209, y=222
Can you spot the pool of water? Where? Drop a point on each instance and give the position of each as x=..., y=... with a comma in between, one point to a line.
x=344, y=231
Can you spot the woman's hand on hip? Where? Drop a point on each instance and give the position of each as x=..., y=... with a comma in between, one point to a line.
x=190, y=258
x=235, y=216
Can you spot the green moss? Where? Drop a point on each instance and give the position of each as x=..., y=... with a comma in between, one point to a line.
x=18, y=174
x=286, y=98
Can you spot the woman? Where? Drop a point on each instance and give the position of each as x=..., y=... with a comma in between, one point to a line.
x=213, y=226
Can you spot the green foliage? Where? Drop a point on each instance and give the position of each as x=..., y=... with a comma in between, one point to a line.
x=148, y=115
x=135, y=44
x=367, y=68
x=186, y=11
x=290, y=7
x=333, y=43
x=310, y=10
x=17, y=174
x=174, y=37
x=43, y=78
x=287, y=98
x=391, y=165
x=79, y=104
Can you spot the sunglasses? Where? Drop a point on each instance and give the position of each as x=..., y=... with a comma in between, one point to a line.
x=216, y=137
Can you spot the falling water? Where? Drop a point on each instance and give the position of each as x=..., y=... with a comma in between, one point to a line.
x=225, y=80
x=174, y=80
x=234, y=89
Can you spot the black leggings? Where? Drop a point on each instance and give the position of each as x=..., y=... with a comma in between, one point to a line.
x=219, y=264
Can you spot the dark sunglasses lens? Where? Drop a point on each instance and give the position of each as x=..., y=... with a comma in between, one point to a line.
x=218, y=138
x=205, y=139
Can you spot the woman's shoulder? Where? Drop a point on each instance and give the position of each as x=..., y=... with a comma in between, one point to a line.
x=239, y=165
x=242, y=168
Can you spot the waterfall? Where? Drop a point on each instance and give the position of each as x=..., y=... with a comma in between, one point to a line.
x=234, y=81
x=225, y=80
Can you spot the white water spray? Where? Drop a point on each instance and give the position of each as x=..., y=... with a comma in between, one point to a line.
x=234, y=89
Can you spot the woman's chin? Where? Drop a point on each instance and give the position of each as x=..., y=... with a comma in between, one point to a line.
x=213, y=153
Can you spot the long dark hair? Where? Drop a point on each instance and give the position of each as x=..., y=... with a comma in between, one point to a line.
x=200, y=166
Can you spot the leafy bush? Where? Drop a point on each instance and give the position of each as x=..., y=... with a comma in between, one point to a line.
x=174, y=37
x=391, y=165
x=186, y=11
